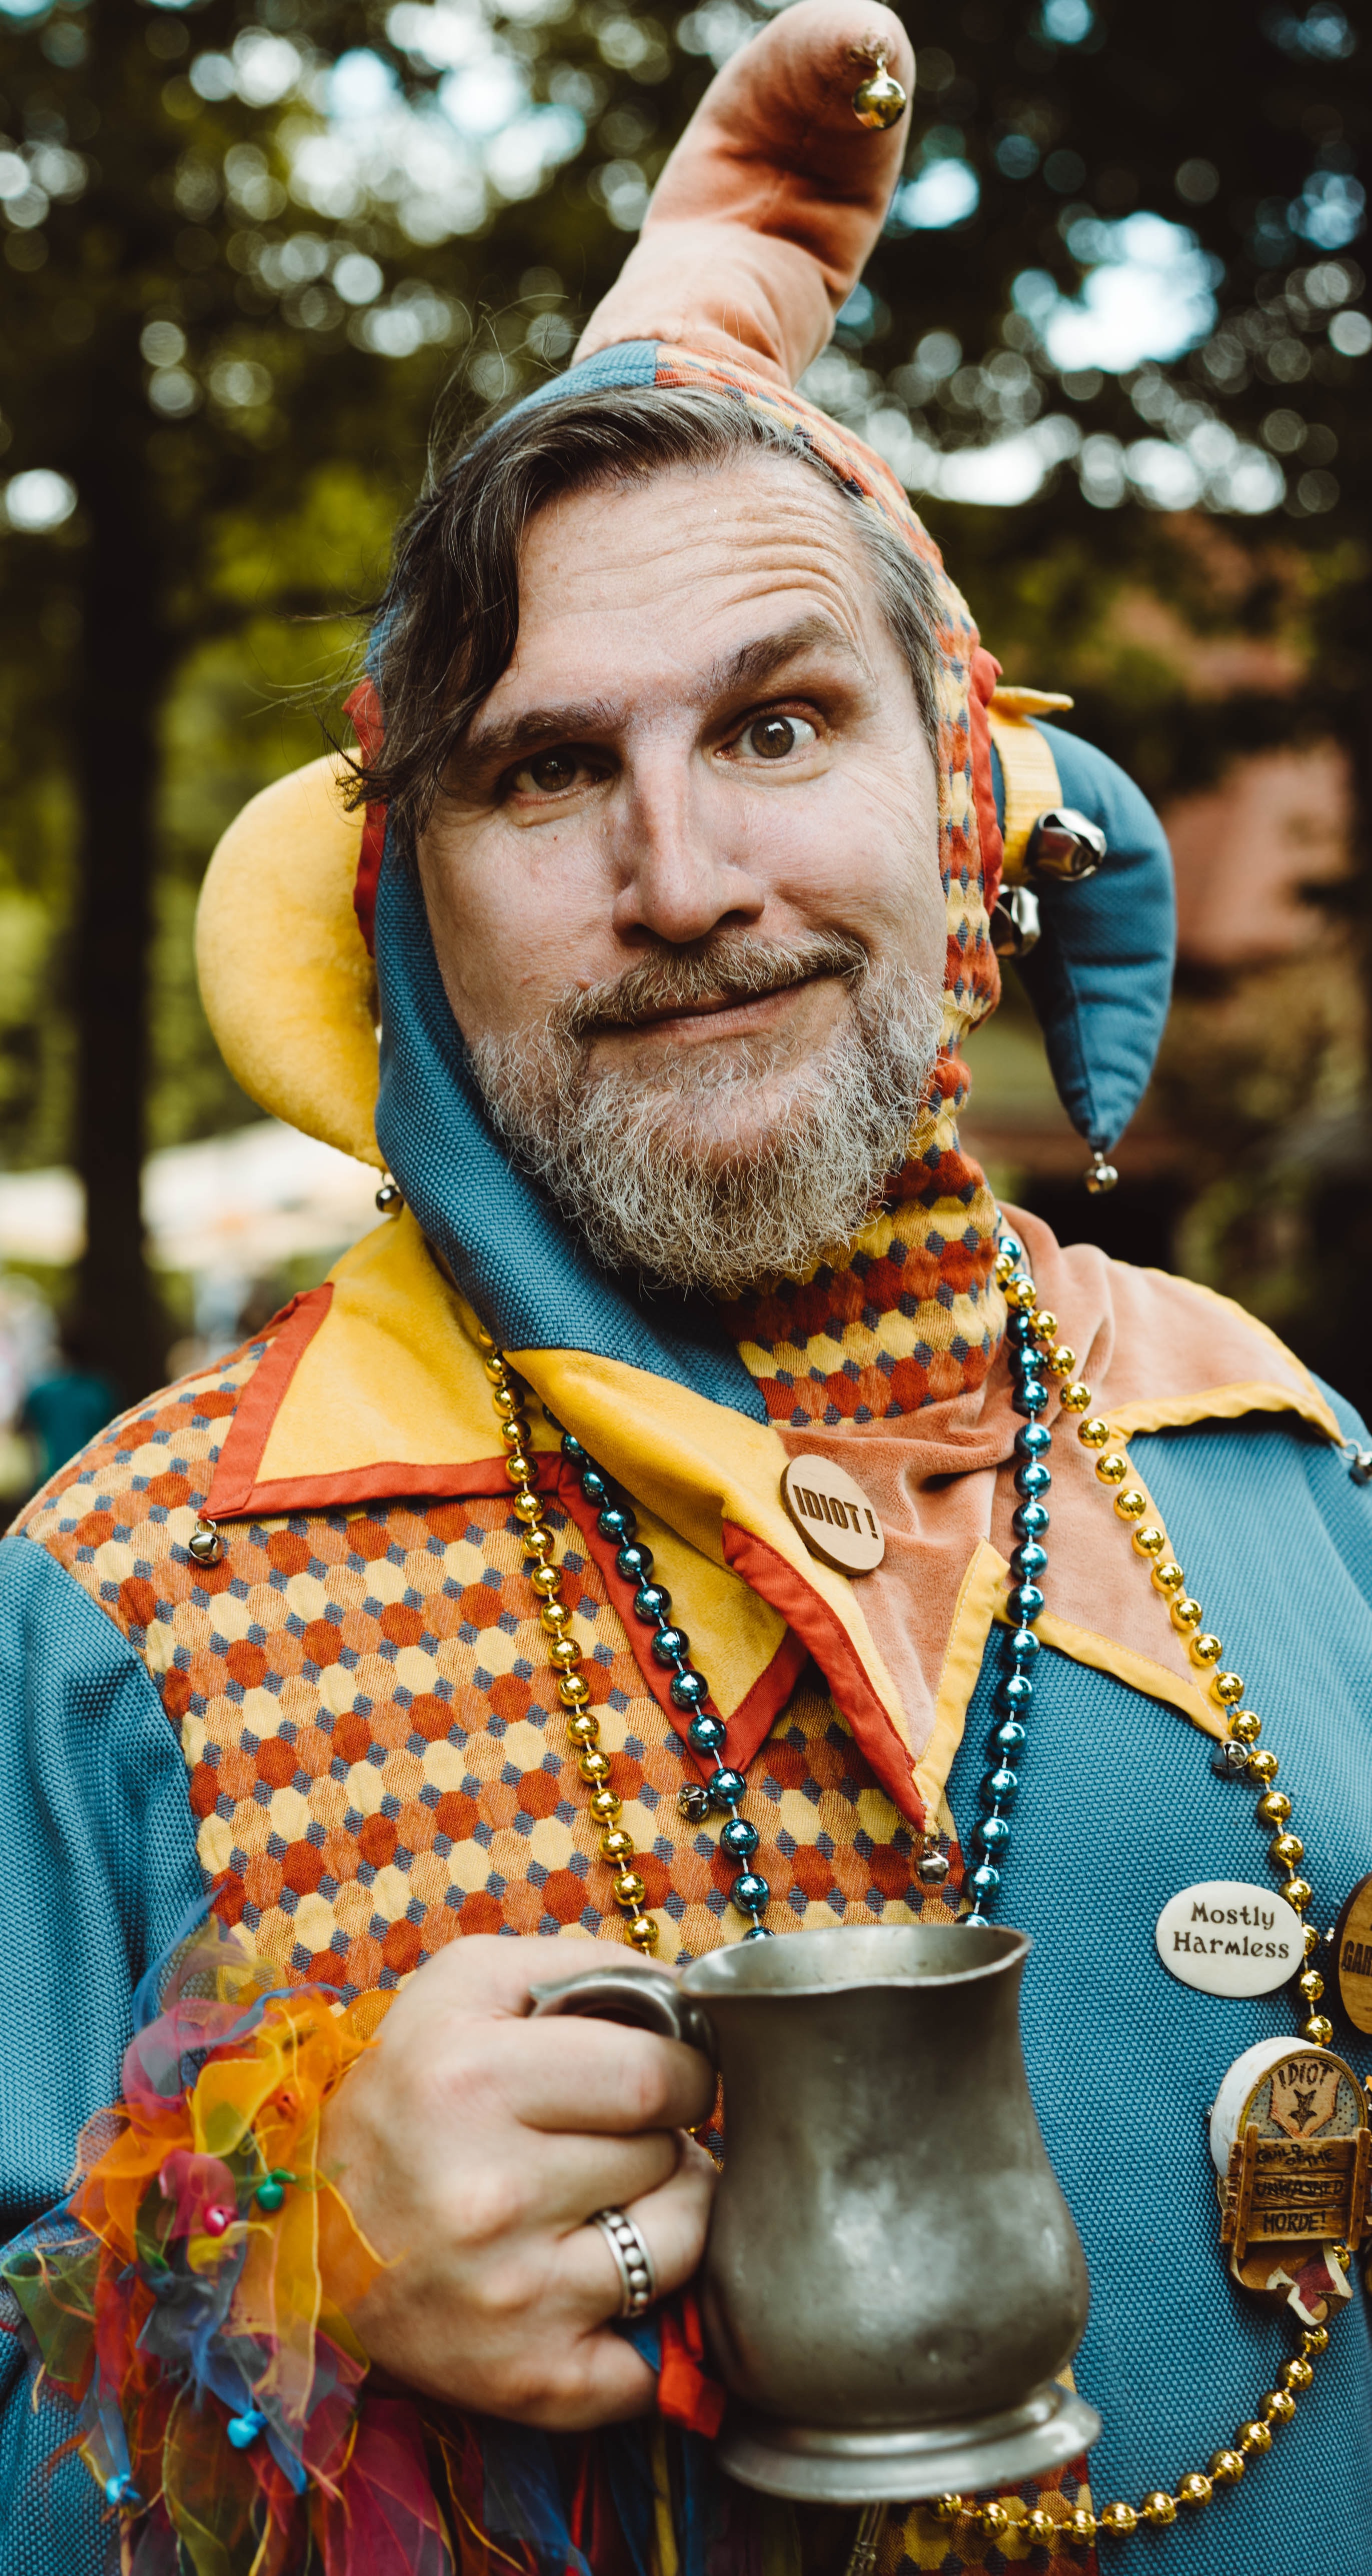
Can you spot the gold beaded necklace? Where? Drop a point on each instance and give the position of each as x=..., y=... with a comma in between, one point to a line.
x=1242, y=1758
x=564, y=1654
x=999, y=2516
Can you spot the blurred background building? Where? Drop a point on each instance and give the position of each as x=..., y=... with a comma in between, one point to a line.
x=1115, y=341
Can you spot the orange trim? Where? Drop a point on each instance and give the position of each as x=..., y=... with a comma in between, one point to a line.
x=389, y=1481
x=753, y=1718
x=985, y=674
x=231, y=1493
x=759, y=1709
x=767, y=1573
x=364, y=709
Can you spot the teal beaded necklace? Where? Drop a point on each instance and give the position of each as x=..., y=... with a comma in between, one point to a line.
x=1028, y=1565
x=1034, y=1356
x=688, y=1690
x=725, y=1789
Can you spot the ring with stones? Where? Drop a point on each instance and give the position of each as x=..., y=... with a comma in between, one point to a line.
x=638, y=2282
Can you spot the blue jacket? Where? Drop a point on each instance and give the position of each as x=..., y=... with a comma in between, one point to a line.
x=1123, y=2061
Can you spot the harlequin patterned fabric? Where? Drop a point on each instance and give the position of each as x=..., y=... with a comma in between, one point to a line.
x=911, y=1314
x=376, y=1765
x=376, y=1760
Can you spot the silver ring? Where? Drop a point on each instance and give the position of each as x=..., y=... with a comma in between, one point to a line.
x=637, y=2279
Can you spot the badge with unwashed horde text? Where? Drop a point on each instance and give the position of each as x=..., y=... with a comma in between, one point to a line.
x=1291, y=2136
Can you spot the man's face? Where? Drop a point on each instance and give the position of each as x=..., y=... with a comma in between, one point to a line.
x=686, y=865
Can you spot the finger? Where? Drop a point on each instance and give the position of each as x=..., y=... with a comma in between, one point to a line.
x=601, y=2076
x=672, y=2221
x=599, y=2380
x=486, y=1973
x=567, y=2177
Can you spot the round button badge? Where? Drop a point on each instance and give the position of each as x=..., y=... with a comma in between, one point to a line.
x=833, y=1515
x=1226, y=1938
x=1352, y=1947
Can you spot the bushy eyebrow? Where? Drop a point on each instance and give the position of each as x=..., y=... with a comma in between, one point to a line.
x=749, y=668
x=500, y=742
x=754, y=664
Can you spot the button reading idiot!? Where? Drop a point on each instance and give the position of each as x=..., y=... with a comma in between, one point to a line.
x=833, y=1515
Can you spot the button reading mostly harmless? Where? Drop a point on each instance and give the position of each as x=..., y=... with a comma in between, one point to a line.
x=833, y=1515
x=1227, y=1938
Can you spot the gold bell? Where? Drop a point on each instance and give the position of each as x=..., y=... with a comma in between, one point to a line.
x=879, y=100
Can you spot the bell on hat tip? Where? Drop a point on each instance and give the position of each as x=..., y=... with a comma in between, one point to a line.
x=1100, y=1175
x=879, y=100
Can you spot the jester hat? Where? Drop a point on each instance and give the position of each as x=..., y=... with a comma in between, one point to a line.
x=757, y=232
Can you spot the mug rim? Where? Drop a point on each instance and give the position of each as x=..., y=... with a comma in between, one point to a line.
x=745, y=1968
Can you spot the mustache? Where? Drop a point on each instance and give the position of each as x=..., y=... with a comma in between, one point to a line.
x=733, y=966
x=674, y=1170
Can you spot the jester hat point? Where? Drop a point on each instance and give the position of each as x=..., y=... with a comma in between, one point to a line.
x=758, y=231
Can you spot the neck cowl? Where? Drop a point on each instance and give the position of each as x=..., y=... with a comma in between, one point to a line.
x=909, y=1314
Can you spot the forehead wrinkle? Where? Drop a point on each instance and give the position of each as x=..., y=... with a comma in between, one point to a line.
x=766, y=655
x=713, y=531
x=749, y=666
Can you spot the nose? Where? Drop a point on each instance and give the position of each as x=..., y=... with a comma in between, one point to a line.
x=681, y=856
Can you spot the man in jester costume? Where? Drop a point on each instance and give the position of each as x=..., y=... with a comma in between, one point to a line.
x=504, y=1591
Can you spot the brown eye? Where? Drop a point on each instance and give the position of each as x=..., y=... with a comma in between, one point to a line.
x=775, y=737
x=551, y=774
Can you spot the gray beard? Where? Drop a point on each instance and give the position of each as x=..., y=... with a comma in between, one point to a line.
x=645, y=1162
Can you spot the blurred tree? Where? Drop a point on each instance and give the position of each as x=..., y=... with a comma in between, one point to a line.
x=231, y=305
x=1119, y=288
x=1122, y=262
x=1113, y=340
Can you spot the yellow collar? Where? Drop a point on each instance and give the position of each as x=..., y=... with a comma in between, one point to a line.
x=373, y=1388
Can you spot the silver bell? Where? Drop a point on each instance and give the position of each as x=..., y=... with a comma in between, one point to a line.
x=1015, y=922
x=933, y=1868
x=693, y=1803
x=390, y=1198
x=1101, y=1175
x=1065, y=846
x=205, y=1543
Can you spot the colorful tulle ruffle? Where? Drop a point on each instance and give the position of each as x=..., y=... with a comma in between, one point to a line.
x=191, y=2301
x=194, y=2305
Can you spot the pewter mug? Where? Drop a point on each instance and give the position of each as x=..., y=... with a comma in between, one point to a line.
x=892, y=2279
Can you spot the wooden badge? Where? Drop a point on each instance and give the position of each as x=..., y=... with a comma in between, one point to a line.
x=833, y=1515
x=1226, y=1938
x=1299, y=2151
x=1353, y=1956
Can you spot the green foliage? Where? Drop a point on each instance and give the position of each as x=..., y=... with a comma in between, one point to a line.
x=241, y=281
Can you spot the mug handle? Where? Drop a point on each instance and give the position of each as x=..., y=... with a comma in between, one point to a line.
x=644, y=1998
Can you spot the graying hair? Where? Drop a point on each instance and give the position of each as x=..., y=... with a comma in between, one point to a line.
x=646, y=1161
x=449, y=622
